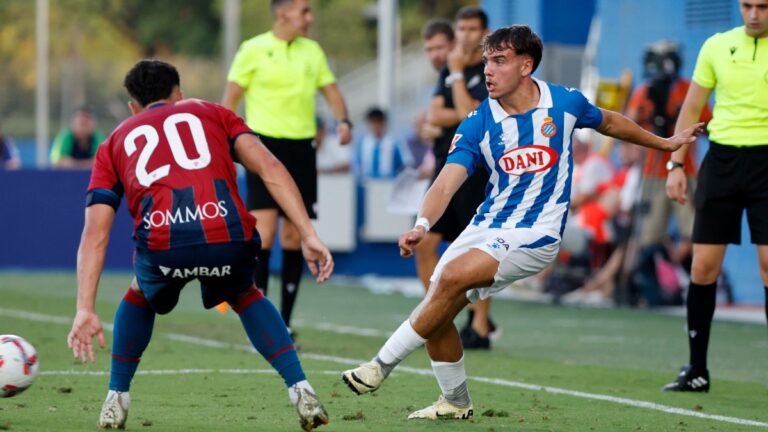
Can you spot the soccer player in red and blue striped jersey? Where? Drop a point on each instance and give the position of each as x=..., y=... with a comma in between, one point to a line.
x=173, y=160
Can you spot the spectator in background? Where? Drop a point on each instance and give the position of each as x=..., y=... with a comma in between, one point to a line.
x=9, y=154
x=588, y=234
x=655, y=105
x=420, y=143
x=279, y=73
x=75, y=146
x=332, y=156
x=592, y=170
x=618, y=202
x=380, y=155
x=438, y=38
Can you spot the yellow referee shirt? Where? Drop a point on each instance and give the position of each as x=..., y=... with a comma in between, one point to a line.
x=736, y=67
x=280, y=81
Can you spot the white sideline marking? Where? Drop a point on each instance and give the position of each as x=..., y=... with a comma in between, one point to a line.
x=34, y=316
x=179, y=372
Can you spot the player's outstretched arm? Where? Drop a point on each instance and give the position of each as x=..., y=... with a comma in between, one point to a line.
x=259, y=160
x=90, y=262
x=620, y=127
x=435, y=202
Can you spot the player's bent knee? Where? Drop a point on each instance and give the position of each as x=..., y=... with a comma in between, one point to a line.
x=245, y=299
x=451, y=282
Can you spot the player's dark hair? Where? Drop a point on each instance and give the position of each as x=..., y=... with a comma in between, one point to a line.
x=519, y=38
x=151, y=80
x=437, y=26
x=376, y=114
x=472, y=12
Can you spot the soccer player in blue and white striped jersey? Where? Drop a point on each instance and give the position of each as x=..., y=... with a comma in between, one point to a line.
x=522, y=135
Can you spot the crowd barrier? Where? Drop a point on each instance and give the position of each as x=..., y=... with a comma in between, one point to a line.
x=41, y=212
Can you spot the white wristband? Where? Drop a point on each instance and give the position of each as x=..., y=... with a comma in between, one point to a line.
x=453, y=77
x=422, y=222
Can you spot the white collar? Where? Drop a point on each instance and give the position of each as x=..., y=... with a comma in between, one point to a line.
x=545, y=101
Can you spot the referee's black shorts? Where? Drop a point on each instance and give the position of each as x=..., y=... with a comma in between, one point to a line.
x=299, y=159
x=463, y=206
x=732, y=179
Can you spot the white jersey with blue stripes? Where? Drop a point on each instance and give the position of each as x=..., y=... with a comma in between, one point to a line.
x=528, y=157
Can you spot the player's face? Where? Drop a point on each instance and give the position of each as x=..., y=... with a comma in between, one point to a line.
x=469, y=33
x=298, y=16
x=437, y=48
x=755, y=16
x=504, y=71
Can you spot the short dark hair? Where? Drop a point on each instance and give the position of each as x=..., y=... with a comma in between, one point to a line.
x=472, y=12
x=151, y=80
x=519, y=38
x=277, y=4
x=84, y=109
x=376, y=114
x=437, y=26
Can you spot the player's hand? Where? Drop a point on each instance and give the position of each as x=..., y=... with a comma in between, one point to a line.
x=344, y=132
x=687, y=136
x=677, y=186
x=409, y=240
x=318, y=257
x=80, y=340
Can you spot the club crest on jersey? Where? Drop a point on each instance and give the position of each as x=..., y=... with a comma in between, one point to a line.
x=548, y=128
x=527, y=159
x=456, y=139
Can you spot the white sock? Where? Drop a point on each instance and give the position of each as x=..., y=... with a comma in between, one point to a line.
x=452, y=378
x=125, y=398
x=403, y=342
x=293, y=391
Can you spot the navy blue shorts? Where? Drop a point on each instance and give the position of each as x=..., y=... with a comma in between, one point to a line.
x=224, y=270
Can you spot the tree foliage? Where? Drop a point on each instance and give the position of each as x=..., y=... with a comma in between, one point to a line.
x=93, y=42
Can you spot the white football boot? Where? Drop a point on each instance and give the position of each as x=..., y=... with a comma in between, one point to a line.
x=312, y=414
x=365, y=378
x=114, y=411
x=442, y=409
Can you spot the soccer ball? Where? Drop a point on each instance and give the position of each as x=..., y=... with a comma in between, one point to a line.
x=18, y=365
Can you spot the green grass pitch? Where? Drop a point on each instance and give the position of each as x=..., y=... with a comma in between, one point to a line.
x=603, y=368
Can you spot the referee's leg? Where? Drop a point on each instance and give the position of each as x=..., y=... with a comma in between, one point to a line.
x=762, y=256
x=266, y=225
x=706, y=267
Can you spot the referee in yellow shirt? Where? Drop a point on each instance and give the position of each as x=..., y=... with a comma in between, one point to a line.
x=732, y=178
x=279, y=73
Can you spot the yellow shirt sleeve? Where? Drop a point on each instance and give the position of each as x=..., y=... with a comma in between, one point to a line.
x=704, y=72
x=243, y=66
x=324, y=74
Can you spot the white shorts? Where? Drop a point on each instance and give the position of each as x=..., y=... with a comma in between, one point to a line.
x=521, y=252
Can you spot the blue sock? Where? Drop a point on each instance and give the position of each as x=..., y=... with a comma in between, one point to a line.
x=268, y=334
x=133, y=330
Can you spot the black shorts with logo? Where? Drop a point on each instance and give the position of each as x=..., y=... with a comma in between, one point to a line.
x=732, y=179
x=299, y=159
x=463, y=206
x=225, y=270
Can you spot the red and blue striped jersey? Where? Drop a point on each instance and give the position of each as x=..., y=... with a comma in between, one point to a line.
x=174, y=164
